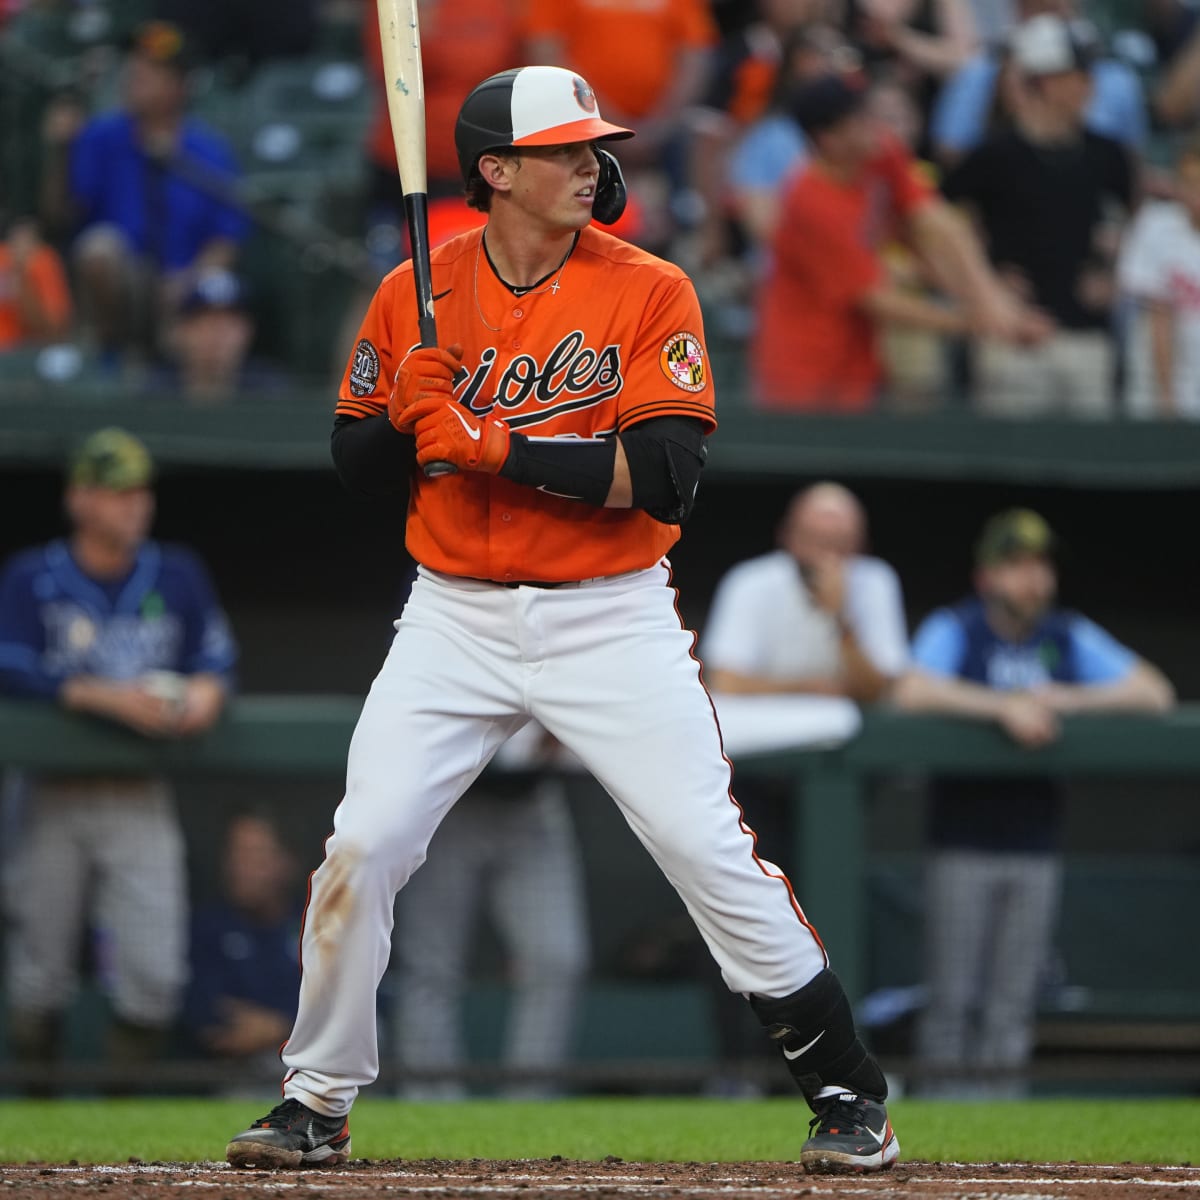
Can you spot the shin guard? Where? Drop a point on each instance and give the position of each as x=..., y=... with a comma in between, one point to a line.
x=814, y=1029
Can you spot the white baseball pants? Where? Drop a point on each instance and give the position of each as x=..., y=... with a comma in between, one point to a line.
x=606, y=667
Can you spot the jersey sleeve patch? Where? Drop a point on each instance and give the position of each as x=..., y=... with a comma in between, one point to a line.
x=364, y=370
x=682, y=361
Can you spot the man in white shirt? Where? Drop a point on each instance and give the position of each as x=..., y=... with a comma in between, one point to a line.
x=816, y=617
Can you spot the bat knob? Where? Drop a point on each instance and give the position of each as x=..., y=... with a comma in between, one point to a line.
x=434, y=469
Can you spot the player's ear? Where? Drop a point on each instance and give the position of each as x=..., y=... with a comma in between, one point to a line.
x=496, y=170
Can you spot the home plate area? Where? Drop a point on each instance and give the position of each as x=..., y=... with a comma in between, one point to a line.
x=610, y=1180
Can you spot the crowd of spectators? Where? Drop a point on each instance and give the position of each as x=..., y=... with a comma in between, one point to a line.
x=884, y=203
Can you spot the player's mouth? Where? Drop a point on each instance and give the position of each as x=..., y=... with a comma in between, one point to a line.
x=587, y=193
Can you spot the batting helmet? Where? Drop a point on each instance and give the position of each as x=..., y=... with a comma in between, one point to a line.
x=529, y=106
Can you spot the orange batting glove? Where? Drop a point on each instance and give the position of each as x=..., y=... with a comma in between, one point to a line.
x=423, y=373
x=448, y=432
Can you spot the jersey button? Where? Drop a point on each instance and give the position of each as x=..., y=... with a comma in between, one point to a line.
x=518, y=313
x=506, y=516
x=507, y=574
x=516, y=343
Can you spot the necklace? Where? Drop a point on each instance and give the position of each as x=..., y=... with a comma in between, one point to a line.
x=519, y=292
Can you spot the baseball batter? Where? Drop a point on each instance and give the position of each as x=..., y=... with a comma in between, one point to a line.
x=574, y=400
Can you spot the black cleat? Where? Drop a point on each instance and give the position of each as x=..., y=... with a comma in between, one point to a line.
x=291, y=1135
x=848, y=1135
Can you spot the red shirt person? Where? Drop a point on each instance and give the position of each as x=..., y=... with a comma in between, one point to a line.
x=827, y=292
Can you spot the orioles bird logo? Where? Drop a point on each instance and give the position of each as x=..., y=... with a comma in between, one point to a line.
x=584, y=96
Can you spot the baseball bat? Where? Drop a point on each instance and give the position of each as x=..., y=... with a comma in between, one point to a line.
x=400, y=35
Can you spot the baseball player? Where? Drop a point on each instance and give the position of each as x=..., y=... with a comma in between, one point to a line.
x=574, y=401
x=109, y=623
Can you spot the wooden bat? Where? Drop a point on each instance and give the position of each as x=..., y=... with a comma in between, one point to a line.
x=400, y=35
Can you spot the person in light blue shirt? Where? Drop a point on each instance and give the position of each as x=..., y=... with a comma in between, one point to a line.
x=1007, y=655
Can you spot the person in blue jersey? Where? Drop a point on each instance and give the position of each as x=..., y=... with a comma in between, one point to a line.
x=245, y=950
x=151, y=195
x=1008, y=655
x=109, y=623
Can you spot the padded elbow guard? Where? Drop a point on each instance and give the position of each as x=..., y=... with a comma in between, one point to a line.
x=665, y=457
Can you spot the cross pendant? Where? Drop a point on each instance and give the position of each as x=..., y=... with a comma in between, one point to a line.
x=554, y=287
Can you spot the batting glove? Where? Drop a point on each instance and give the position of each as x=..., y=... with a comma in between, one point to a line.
x=423, y=374
x=448, y=432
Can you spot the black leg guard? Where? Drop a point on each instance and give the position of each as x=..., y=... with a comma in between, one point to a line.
x=814, y=1029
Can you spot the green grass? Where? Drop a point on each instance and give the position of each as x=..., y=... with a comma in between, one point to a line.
x=1105, y=1131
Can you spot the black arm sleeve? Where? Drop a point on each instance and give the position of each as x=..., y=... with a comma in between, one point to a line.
x=370, y=457
x=665, y=456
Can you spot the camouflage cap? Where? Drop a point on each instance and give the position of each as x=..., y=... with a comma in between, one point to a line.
x=1014, y=532
x=111, y=458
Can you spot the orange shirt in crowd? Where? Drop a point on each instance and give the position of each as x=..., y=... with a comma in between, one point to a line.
x=814, y=345
x=461, y=43
x=45, y=276
x=626, y=49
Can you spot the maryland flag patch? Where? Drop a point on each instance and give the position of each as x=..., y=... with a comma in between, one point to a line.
x=682, y=361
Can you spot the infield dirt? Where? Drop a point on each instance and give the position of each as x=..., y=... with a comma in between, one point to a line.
x=542, y=1179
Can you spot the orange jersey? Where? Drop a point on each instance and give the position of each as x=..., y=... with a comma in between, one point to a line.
x=46, y=278
x=615, y=339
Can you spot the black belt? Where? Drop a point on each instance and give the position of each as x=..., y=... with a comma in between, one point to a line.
x=537, y=583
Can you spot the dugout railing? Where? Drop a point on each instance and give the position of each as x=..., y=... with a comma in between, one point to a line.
x=281, y=736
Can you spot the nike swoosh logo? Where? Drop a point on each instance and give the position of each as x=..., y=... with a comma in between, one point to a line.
x=441, y=295
x=879, y=1137
x=541, y=487
x=792, y=1054
x=473, y=434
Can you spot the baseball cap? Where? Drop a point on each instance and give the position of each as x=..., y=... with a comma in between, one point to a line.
x=1014, y=532
x=215, y=289
x=162, y=42
x=822, y=102
x=1048, y=45
x=111, y=458
x=529, y=106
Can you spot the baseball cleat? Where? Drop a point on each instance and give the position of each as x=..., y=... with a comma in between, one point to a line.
x=291, y=1135
x=848, y=1135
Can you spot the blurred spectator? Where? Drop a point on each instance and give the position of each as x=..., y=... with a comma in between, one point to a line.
x=917, y=43
x=977, y=100
x=224, y=31
x=816, y=616
x=1006, y=655
x=151, y=191
x=507, y=848
x=207, y=349
x=1159, y=270
x=827, y=293
x=109, y=623
x=35, y=298
x=1050, y=196
x=741, y=85
x=245, y=949
x=1169, y=24
x=649, y=64
x=772, y=147
x=1177, y=94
